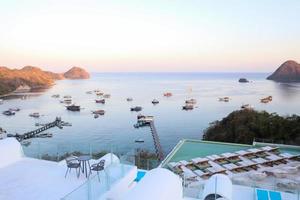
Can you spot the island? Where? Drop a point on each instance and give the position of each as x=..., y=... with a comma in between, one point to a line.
x=31, y=78
x=243, y=126
x=289, y=71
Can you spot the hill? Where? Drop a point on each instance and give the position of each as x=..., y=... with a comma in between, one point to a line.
x=33, y=77
x=243, y=126
x=76, y=73
x=289, y=71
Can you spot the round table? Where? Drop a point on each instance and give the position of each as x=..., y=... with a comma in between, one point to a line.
x=84, y=161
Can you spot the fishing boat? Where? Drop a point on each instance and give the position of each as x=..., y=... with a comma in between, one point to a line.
x=168, y=94
x=98, y=112
x=100, y=101
x=8, y=113
x=99, y=93
x=137, y=108
x=188, y=107
x=191, y=101
x=73, y=108
x=129, y=99
x=155, y=101
x=106, y=95
x=35, y=115
x=266, y=99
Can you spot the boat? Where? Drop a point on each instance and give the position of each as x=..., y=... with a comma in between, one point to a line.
x=137, y=108
x=243, y=80
x=73, y=108
x=266, y=99
x=168, y=94
x=188, y=107
x=25, y=143
x=89, y=92
x=99, y=93
x=106, y=95
x=224, y=99
x=44, y=135
x=55, y=96
x=129, y=99
x=100, y=101
x=8, y=113
x=98, y=112
x=15, y=109
x=191, y=101
x=35, y=115
x=67, y=97
x=139, y=140
x=65, y=123
x=246, y=106
x=155, y=101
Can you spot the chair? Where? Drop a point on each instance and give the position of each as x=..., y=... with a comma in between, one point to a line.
x=97, y=167
x=73, y=163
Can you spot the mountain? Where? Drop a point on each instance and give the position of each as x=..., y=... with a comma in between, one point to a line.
x=289, y=71
x=76, y=73
x=34, y=78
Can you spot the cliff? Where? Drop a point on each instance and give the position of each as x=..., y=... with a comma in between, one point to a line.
x=76, y=73
x=34, y=78
x=287, y=72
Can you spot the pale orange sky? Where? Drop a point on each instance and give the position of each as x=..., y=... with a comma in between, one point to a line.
x=137, y=35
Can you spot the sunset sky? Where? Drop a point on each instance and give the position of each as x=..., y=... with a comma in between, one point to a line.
x=152, y=35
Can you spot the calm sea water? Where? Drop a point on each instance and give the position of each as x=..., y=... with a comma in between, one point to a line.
x=115, y=129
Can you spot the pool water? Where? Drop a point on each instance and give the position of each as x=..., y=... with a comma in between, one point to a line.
x=140, y=175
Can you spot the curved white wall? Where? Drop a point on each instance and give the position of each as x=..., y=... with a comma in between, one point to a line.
x=10, y=151
x=157, y=184
x=219, y=184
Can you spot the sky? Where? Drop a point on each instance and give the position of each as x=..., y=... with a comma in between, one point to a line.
x=150, y=35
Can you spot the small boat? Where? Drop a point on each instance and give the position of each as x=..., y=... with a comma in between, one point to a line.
x=246, y=106
x=99, y=93
x=26, y=143
x=96, y=116
x=67, y=97
x=188, y=107
x=224, y=99
x=67, y=101
x=8, y=113
x=191, y=101
x=100, y=101
x=139, y=140
x=44, y=135
x=65, y=123
x=15, y=109
x=106, y=95
x=55, y=96
x=155, y=101
x=266, y=99
x=89, y=92
x=137, y=108
x=129, y=99
x=243, y=80
x=98, y=112
x=73, y=108
x=35, y=115
x=168, y=94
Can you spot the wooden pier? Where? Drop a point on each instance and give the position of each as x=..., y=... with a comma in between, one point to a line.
x=33, y=133
x=149, y=121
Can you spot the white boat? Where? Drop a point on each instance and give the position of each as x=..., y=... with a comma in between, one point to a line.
x=35, y=115
x=191, y=101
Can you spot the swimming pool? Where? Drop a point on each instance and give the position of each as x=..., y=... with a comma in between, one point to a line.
x=140, y=175
x=189, y=149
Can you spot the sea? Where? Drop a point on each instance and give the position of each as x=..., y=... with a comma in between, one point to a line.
x=115, y=130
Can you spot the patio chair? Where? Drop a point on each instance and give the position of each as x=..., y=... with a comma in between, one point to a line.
x=73, y=163
x=97, y=167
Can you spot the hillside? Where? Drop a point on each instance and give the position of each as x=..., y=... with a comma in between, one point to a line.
x=34, y=77
x=287, y=72
x=76, y=73
x=244, y=125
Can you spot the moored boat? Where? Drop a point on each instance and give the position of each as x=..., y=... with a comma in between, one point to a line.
x=98, y=112
x=188, y=107
x=191, y=101
x=139, y=140
x=168, y=94
x=136, y=108
x=129, y=99
x=55, y=96
x=73, y=108
x=155, y=101
x=8, y=113
x=106, y=95
x=35, y=115
x=100, y=101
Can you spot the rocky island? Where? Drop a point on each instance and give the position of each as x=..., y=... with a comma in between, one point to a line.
x=289, y=71
x=31, y=78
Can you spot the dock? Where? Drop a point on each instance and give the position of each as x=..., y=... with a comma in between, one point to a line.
x=149, y=121
x=56, y=123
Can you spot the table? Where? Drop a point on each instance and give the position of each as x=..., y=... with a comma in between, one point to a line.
x=84, y=161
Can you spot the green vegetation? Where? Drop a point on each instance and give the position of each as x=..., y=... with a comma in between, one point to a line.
x=244, y=125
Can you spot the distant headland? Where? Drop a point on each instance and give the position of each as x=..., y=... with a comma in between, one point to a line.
x=31, y=78
x=289, y=71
